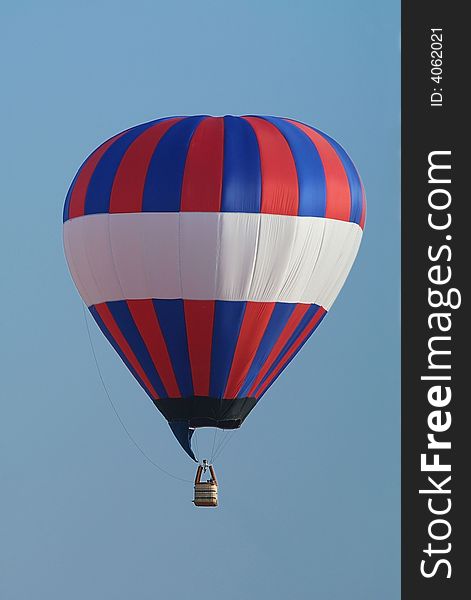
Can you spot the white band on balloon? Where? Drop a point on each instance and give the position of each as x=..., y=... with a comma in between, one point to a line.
x=210, y=256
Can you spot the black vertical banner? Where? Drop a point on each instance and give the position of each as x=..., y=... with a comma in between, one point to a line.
x=436, y=250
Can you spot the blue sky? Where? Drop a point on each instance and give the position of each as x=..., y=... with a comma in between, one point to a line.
x=310, y=484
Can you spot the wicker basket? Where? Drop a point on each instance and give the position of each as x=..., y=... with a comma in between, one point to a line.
x=206, y=492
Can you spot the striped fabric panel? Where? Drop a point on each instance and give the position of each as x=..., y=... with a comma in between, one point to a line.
x=129, y=182
x=278, y=319
x=164, y=179
x=338, y=200
x=145, y=318
x=254, y=325
x=280, y=194
x=298, y=330
x=199, y=320
x=354, y=182
x=242, y=180
x=228, y=317
x=310, y=171
x=98, y=194
x=290, y=326
x=75, y=200
x=106, y=332
x=105, y=320
x=204, y=348
x=229, y=164
x=171, y=317
x=292, y=351
x=202, y=178
x=130, y=333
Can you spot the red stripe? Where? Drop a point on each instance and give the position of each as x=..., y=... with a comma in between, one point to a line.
x=202, y=178
x=280, y=194
x=338, y=199
x=363, y=207
x=199, y=319
x=130, y=178
x=119, y=338
x=256, y=318
x=145, y=318
x=79, y=193
x=304, y=334
x=294, y=320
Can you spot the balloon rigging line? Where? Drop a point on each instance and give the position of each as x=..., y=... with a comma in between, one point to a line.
x=225, y=443
x=115, y=410
x=228, y=433
x=214, y=441
x=219, y=444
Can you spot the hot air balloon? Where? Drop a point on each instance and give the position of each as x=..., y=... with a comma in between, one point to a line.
x=208, y=250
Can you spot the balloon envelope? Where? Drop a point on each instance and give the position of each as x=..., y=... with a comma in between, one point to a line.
x=208, y=250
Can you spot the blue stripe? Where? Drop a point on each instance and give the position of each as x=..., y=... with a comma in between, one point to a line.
x=228, y=317
x=310, y=171
x=242, y=179
x=111, y=340
x=123, y=317
x=171, y=317
x=99, y=189
x=276, y=324
x=352, y=176
x=295, y=353
x=292, y=339
x=163, y=185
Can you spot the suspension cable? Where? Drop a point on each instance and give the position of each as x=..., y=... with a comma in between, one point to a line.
x=214, y=441
x=220, y=442
x=225, y=443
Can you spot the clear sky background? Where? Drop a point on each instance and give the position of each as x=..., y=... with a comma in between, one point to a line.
x=310, y=484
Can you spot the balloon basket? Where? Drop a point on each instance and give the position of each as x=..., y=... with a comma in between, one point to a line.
x=206, y=492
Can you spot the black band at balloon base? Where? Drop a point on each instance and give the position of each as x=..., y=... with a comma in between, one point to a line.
x=203, y=411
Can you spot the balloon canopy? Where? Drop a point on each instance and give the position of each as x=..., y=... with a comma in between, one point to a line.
x=208, y=250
